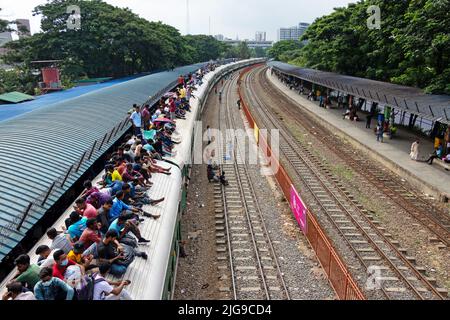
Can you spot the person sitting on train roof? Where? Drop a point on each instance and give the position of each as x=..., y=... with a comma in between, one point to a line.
x=103, y=216
x=129, y=153
x=119, y=206
x=88, y=189
x=15, y=291
x=109, y=290
x=45, y=256
x=60, y=240
x=61, y=264
x=109, y=252
x=149, y=164
x=123, y=225
x=97, y=199
x=130, y=175
x=76, y=255
x=77, y=224
x=91, y=234
x=27, y=274
x=85, y=209
x=52, y=288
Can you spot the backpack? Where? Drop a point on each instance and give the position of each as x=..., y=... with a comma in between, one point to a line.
x=86, y=292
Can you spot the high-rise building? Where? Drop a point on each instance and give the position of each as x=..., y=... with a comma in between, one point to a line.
x=293, y=33
x=23, y=24
x=260, y=36
x=219, y=37
x=5, y=37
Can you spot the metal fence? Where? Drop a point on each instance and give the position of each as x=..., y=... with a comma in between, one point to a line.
x=340, y=279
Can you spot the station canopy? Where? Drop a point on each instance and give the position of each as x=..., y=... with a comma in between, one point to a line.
x=409, y=99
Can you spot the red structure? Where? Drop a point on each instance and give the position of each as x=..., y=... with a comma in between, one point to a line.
x=51, y=80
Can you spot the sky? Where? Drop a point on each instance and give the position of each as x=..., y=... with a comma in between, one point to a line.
x=231, y=18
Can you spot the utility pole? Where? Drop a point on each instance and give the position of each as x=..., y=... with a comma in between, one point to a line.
x=187, y=17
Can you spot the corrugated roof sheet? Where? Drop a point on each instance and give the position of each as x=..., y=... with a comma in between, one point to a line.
x=410, y=99
x=15, y=97
x=39, y=148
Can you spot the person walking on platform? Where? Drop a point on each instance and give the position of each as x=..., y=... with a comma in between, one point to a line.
x=220, y=96
x=368, y=120
x=414, y=154
x=379, y=132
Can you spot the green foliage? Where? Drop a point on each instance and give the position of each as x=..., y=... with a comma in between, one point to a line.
x=19, y=79
x=112, y=42
x=204, y=47
x=282, y=50
x=411, y=48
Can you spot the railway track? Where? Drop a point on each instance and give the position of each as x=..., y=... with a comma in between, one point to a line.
x=435, y=219
x=399, y=279
x=242, y=238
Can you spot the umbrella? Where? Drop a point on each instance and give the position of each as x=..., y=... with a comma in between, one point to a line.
x=163, y=120
x=169, y=94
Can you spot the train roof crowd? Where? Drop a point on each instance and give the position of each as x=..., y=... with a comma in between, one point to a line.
x=102, y=234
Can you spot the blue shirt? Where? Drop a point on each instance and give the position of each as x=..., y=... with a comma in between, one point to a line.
x=116, y=226
x=76, y=229
x=148, y=147
x=117, y=208
x=42, y=292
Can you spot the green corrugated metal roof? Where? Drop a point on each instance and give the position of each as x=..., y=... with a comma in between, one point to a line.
x=15, y=97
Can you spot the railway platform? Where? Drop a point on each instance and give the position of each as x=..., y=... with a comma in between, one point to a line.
x=393, y=153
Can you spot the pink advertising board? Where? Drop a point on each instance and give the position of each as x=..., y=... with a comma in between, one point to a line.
x=298, y=209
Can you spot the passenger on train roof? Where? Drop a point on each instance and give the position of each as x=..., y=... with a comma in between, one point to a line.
x=85, y=209
x=15, y=291
x=91, y=234
x=52, y=288
x=27, y=274
x=60, y=240
x=103, y=288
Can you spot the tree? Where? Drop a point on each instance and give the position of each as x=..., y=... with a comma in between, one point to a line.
x=112, y=41
x=204, y=47
x=243, y=50
x=282, y=47
x=411, y=48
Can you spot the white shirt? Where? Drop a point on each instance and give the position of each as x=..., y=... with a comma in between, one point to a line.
x=101, y=289
x=49, y=262
x=25, y=296
x=136, y=118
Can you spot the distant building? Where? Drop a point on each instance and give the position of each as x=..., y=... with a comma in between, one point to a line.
x=219, y=37
x=260, y=36
x=251, y=44
x=5, y=37
x=293, y=33
x=23, y=23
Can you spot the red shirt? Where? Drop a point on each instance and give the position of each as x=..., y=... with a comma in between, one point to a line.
x=90, y=211
x=88, y=237
x=172, y=106
x=58, y=271
x=122, y=168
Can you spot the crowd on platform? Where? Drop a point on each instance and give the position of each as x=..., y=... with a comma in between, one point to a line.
x=102, y=234
x=385, y=122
